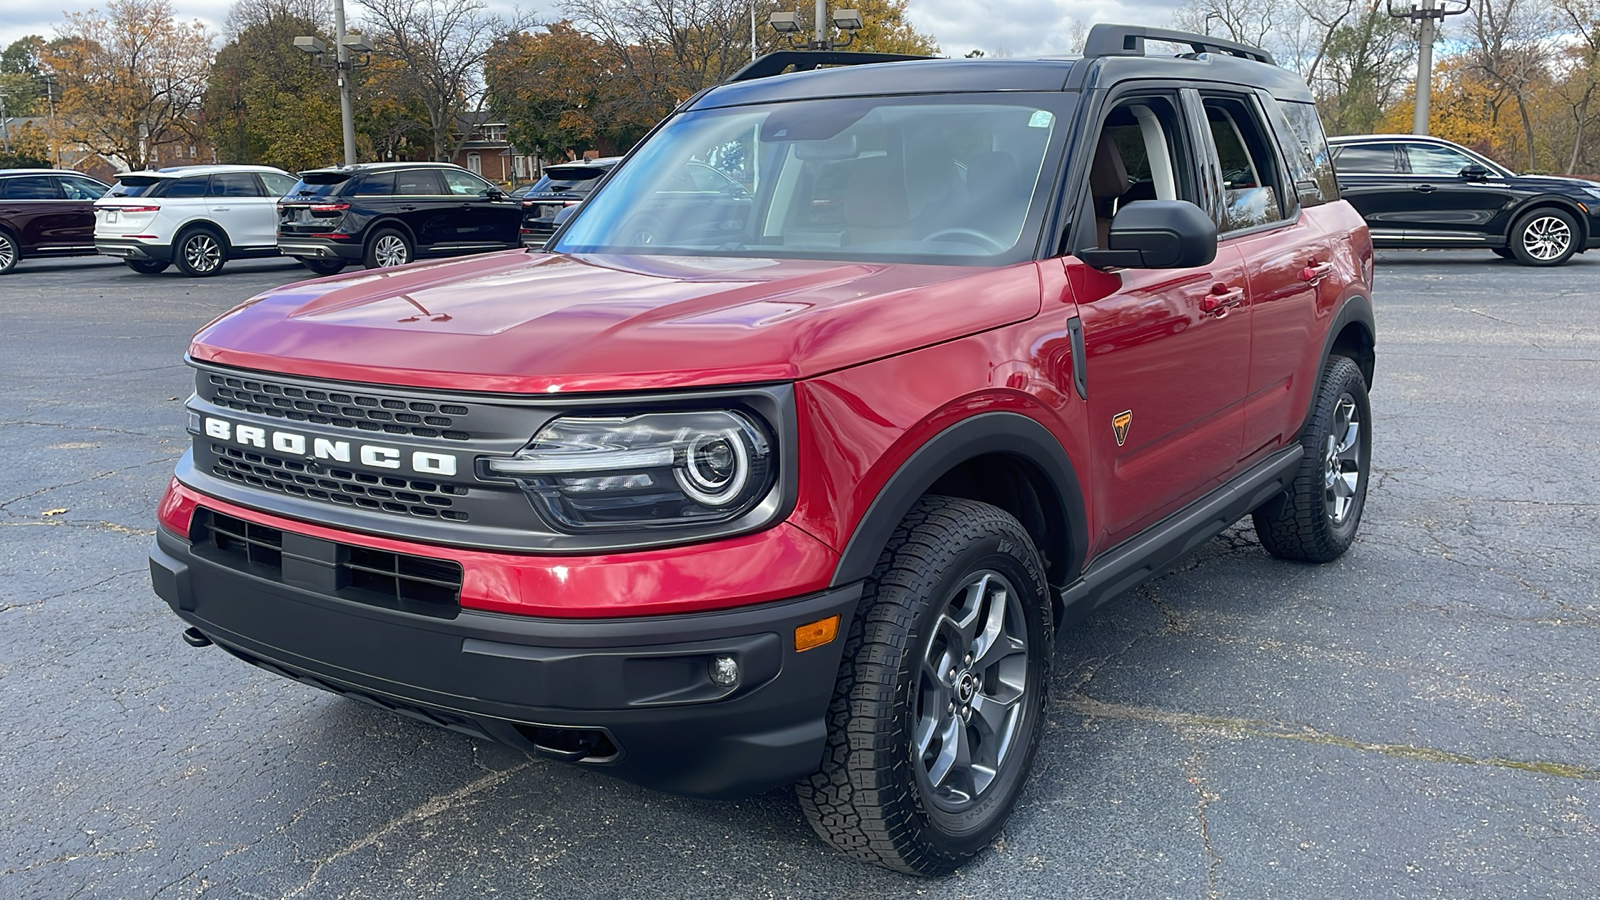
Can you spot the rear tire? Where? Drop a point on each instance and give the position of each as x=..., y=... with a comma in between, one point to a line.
x=1316, y=519
x=1503, y=252
x=388, y=247
x=10, y=252
x=200, y=252
x=323, y=266
x=1544, y=237
x=146, y=266
x=939, y=704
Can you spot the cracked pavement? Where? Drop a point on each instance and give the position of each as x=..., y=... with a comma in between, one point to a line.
x=1418, y=719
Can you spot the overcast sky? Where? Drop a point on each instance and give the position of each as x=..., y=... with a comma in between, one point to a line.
x=1015, y=27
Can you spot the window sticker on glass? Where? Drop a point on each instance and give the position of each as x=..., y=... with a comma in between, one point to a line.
x=1041, y=119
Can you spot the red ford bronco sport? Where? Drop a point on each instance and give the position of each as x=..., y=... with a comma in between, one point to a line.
x=786, y=458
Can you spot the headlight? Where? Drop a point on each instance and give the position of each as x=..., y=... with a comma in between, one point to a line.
x=653, y=470
x=1593, y=192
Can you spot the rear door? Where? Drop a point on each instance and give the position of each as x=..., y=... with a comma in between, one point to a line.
x=238, y=202
x=480, y=218
x=34, y=207
x=1371, y=179
x=425, y=205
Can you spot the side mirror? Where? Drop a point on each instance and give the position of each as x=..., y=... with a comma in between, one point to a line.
x=1475, y=172
x=496, y=194
x=1157, y=234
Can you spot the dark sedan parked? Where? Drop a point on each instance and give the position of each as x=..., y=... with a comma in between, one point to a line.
x=388, y=214
x=46, y=212
x=562, y=186
x=1422, y=192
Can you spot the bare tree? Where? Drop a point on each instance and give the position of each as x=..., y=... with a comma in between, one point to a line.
x=1509, y=49
x=441, y=46
x=1582, y=19
x=1258, y=23
x=247, y=14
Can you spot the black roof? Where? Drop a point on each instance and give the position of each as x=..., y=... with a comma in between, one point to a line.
x=1115, y=53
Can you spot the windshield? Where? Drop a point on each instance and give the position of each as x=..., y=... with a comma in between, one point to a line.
x=948, y=179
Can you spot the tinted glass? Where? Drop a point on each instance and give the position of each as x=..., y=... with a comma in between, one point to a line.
x=1365, y=159
x=1306, y=148
x=277, y=184
x=465, y=183
x=186, y=187
x=947, y=179
x=413, y=182
x=1249, y=169
x=374, y=184
x=234, y=184
x=134, y=186
x=1427, y=159
x=312, y=186
x=76, y=187
x=30, y=187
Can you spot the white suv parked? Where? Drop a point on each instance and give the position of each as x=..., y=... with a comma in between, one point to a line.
x=194, y=217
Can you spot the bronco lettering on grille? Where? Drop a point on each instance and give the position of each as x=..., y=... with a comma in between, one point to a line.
x=377, y=456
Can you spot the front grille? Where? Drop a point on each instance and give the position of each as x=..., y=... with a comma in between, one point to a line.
x=385, y=493
x=398, y=581
x=341, y=409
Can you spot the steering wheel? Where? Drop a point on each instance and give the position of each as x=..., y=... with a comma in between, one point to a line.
x=975, y=237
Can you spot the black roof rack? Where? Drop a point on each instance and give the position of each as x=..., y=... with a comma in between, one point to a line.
x=778, y=62
x=1128, y=40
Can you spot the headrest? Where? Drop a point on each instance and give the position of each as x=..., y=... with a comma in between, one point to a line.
x=1108, y=177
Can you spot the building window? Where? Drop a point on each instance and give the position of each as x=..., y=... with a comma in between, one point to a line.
x=474, y=164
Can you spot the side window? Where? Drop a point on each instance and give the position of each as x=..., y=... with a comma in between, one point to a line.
x=1365, y=159
x=1306, y=149
x=277, y=185
x=186, y=188
x=234, y=184
x=76, y=188
x=419, y=182
x=465, y=184
x=1139, y=155
x=1251, y=187
x=31, y=187
x=374, y=184
x=1428, y=159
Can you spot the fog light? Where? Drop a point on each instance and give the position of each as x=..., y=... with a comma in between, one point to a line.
x=725, y=671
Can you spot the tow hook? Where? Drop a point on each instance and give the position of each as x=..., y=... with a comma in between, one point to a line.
x=194, y=638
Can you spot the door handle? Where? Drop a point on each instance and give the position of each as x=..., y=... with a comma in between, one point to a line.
x=407, y=208
x=1316, y=271
x=222, y=209
x=1424, y=188
x=1221, y=299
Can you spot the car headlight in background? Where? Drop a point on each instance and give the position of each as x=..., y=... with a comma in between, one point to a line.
x=1593, y=192
x=651, y=470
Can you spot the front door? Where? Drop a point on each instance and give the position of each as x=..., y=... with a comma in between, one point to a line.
x=1446, y=208
x=1167, y=352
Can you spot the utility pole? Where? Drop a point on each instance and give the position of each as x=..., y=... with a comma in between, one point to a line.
x=1419, y=116
x=5, y=125
x=822, y=41
x=346, y=117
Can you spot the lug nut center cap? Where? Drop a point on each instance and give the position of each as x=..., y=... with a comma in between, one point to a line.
x=966, y=687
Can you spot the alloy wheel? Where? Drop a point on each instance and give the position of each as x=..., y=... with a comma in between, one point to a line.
x=970, y=692
x=1341, y=461
x=1546, y=238
x=8, y=253
x=202, y=253
x=390, y=250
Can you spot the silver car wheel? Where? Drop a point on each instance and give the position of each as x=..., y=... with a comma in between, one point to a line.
x=202, y=253
x=1546, y=238
x=391, y=250
x=8, y=252
x=1341, y=461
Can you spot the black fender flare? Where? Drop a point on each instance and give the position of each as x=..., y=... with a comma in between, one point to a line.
x=1010, y=433
x=1358, y=309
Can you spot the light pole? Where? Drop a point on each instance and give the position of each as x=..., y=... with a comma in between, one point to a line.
x=1427, y=13
x=846, y=20
x=345, y=45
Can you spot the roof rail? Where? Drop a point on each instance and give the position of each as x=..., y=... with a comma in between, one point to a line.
x=1128, y=40
x=805, y=60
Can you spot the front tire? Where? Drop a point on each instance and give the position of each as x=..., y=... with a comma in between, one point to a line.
x=322, y=266
x=939, y=704
x=388, y=247
x=1544, y=237
x=200, y=253
x=1316, y=519
x=146, y=266
x=10, y=252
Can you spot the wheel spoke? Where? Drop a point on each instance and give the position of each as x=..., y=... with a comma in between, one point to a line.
x=950, y=754
x=991, y=712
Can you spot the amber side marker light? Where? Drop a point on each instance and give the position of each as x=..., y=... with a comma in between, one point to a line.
x=815, y=634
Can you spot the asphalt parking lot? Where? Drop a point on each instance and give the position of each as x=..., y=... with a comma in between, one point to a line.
x=1419, y=719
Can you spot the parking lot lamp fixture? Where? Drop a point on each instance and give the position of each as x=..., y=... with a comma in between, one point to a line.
x=346, y=46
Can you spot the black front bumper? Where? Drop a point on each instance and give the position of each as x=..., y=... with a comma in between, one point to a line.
x=629, y=696
x=134, y=250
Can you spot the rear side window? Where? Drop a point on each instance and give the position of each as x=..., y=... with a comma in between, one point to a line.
x=185, y=188
x=415, y=182
x=374, y=184
x=1306, y=149
x=1251, y=193
x=30, y=187
x=1365, y=159
x=79, y=188
x=277, y=185
x=234, y=184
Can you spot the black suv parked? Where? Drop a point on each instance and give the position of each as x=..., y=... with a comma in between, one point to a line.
x=46, y=212
x=1422, y=192
x=561, y=187
x=388, y=214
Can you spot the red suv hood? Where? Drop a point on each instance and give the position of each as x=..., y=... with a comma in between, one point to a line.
x=541, y=323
